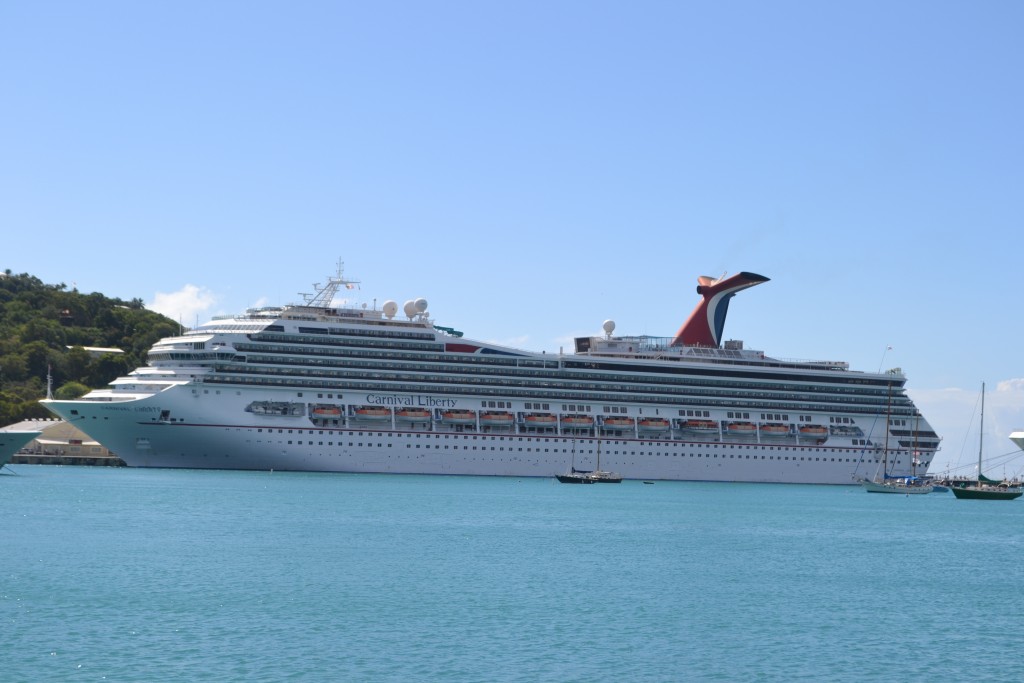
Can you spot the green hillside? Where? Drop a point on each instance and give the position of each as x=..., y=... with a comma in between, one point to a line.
x=38, y=322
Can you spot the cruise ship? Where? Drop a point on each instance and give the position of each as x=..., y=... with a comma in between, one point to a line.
x=11, y=441
x=327, y=385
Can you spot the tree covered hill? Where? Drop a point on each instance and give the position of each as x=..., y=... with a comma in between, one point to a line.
x=38, y=322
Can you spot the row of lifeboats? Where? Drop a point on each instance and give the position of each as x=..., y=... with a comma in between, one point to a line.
x=773, y=430
x=543, y=421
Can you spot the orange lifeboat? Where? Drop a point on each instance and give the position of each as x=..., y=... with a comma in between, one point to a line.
x=540, y=420
x=496, y=419
x=328, y=412
x=741, y=429
x=653, y=424
x=813, y=431
x=372, y=413
x=701, y=426
x=458, y=417
x=412, y=415
x=618, y=423
x=577, y=422
x=774, y=429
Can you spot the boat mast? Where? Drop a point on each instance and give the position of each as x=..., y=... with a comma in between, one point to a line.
x=885, y=446
x=981, y=430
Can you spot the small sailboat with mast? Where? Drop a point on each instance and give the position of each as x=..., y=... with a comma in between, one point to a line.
x=912, y=485
x=595, y=476
x=983, y=488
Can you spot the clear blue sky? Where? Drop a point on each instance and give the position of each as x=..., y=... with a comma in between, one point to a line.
x=534, y=168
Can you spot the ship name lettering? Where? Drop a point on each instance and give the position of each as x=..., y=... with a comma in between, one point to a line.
x=422, y=401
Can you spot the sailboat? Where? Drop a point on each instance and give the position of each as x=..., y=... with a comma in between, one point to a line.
x=907, y=485
x=575, y=476
x=601, y=476
x=983, y=489
x=595, y=476
x=911, y=485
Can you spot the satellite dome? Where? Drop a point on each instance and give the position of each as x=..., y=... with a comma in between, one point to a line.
x=421, y=305
x=608, y=327
x=390, y=308
x=409, y=308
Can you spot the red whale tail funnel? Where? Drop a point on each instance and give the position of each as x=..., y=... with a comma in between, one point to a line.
x=705, y=325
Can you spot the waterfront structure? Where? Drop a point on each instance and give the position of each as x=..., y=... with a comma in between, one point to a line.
x=325, y=387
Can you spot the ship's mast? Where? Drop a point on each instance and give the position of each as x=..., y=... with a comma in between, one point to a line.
x=325, y=295
x=981, y=431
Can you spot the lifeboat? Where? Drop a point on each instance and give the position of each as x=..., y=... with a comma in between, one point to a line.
x=741, y=429
x=372, y=413
x=458, y=417
x=618, y=423
x=496, y=419
x=653, y=424
x=412, y=414
x=329, y=412
x=774, y=429
x=540, y=420
x=577, y=422
x=813, y=431
x=701, y=426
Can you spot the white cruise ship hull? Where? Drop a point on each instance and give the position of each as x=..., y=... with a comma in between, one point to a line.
x=209, y=434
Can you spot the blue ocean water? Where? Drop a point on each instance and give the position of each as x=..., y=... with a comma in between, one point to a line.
x=177, y=575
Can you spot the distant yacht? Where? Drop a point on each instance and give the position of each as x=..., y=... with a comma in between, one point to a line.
x=327, y=385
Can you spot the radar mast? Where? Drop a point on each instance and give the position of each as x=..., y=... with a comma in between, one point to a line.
x=325, y=295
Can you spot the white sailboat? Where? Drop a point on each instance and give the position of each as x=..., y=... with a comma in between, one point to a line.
x=907, y=485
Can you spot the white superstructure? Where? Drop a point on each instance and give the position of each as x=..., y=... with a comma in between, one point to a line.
x=323, y=388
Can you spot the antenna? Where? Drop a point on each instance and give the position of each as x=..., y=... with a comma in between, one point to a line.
x=325, y=295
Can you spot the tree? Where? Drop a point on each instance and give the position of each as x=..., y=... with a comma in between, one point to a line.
x=71, y=390
x=37, y=324
x=106, y=369
x=76, y=364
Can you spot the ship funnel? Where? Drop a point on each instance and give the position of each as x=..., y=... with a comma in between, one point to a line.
x=707, y=321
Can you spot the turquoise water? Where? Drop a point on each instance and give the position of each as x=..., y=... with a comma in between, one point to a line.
x=178, y=575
